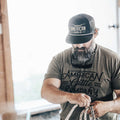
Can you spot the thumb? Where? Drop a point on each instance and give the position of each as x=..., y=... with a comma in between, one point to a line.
x=93, y=103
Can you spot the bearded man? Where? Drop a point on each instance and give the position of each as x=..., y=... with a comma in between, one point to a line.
x=85, y=75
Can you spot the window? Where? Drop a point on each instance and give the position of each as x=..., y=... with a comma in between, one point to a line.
x=37, y=32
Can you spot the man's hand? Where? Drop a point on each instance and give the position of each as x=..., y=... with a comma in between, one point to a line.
x=100, y=108
x=81, y=99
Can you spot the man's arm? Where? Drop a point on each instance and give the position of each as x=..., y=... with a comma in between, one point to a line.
x=51, y=92
x=101, y=107
x=116, y=103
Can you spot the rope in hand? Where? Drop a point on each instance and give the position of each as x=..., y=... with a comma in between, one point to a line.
x=83, y=113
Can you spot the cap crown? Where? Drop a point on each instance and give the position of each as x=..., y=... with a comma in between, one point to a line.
x=81, y=25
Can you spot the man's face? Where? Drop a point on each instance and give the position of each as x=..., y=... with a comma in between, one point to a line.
x=82, y=53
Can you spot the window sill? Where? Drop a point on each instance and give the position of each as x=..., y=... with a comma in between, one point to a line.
x=35, y=107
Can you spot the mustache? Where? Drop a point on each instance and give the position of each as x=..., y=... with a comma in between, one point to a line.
x=82, y=48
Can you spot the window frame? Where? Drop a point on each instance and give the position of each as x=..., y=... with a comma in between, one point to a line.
x=6, y=82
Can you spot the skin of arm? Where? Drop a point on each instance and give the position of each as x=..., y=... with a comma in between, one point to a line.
x=101, y=107
x=51, y=92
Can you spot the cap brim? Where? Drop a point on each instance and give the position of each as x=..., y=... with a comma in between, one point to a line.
x=78, y=39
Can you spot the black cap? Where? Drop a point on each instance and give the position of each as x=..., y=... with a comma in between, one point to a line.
x=81, y=29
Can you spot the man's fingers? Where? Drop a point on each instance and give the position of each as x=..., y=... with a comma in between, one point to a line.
x=88, y=98
x=81, y=104
x=85, y=102
x=81, y=99
x=92, y=104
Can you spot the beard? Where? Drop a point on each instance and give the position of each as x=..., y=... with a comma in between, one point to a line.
x=84, y=58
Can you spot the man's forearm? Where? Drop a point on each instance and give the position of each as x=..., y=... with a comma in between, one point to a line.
x=51, y=92
x=114, y=106
x=54, y=95
x=102, y=107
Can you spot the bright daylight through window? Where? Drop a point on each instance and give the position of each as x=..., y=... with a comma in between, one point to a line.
x=38, y=29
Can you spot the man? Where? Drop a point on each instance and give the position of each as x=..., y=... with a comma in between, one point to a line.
x=86, y=74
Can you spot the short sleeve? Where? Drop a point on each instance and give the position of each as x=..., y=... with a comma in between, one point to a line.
x=53, y=69
x=116, y=77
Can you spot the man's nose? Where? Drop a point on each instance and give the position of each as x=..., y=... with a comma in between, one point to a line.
x=79, y=45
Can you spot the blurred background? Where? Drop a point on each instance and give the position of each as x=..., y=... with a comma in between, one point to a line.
x=38, y=29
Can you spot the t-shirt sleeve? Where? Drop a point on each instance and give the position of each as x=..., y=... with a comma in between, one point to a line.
x=116, y=76
x=53, y=69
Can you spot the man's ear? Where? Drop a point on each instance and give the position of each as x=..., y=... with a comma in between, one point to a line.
x=96, y=32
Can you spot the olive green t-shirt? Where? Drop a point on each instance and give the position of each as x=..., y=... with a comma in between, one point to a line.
x=98, y=81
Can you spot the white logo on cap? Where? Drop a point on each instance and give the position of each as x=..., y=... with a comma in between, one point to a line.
x=78, y=28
